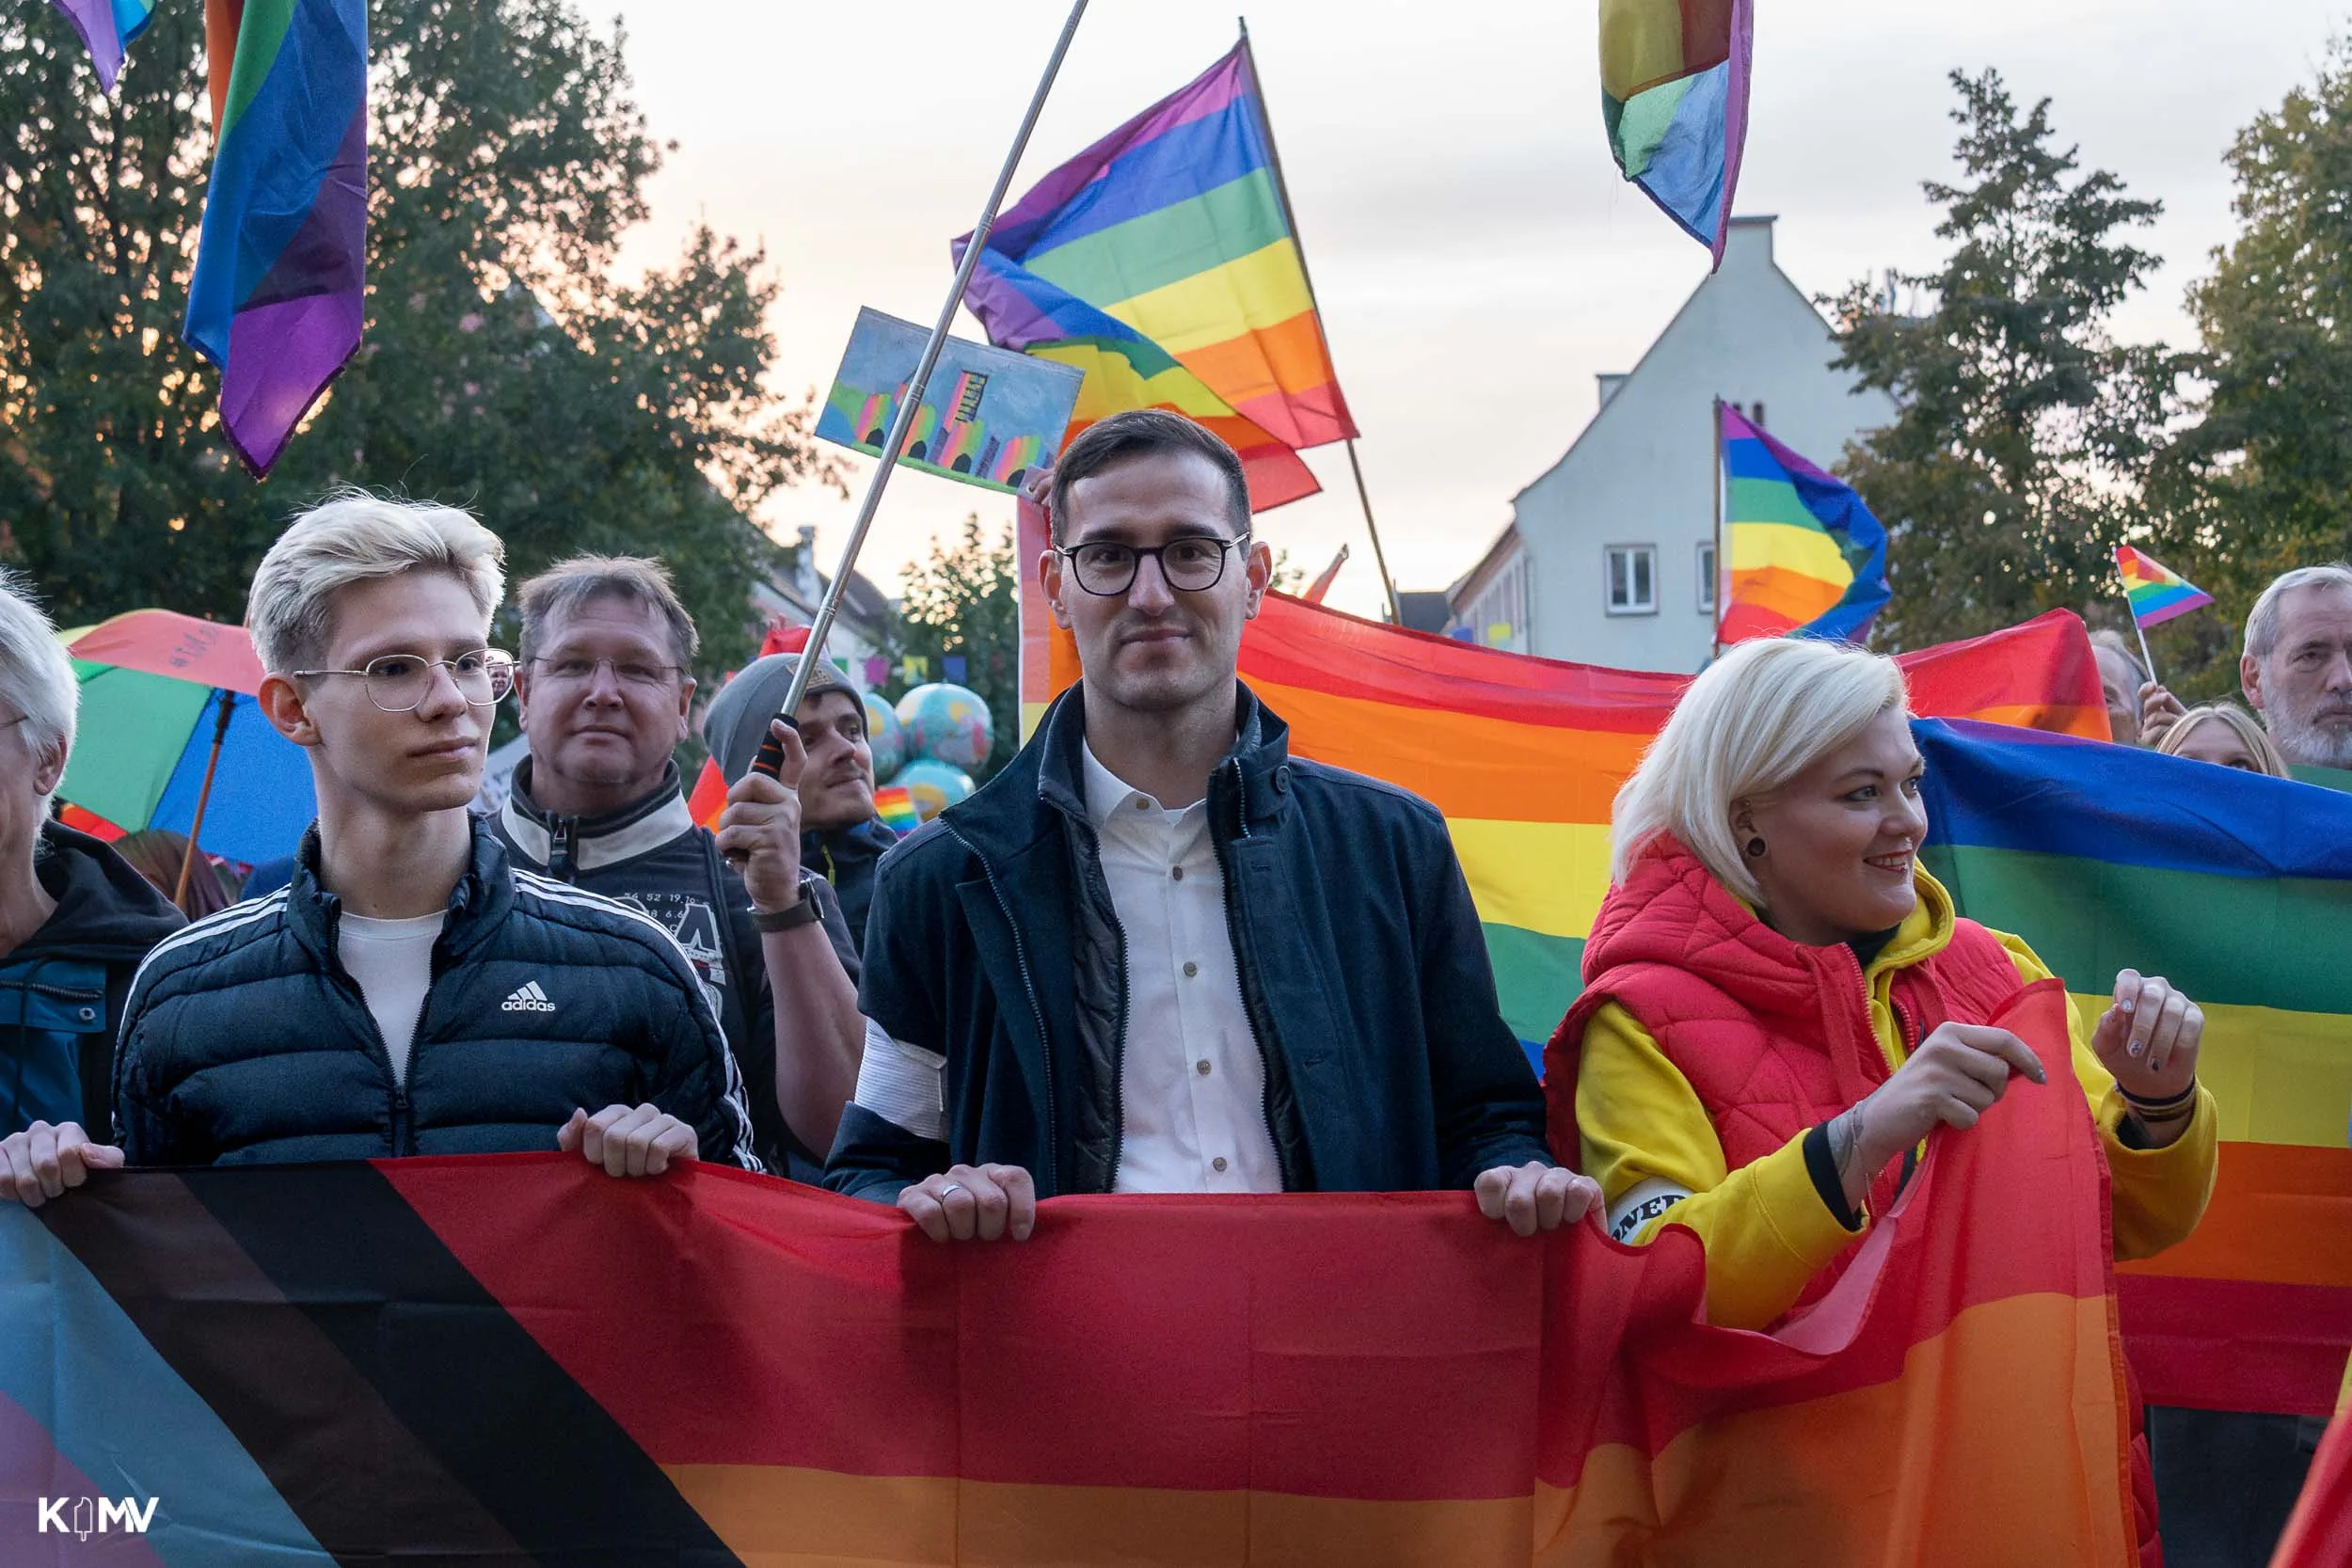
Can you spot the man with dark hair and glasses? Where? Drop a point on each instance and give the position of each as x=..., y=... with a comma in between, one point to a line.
x=606, y=685
x=409, y=991
x=1158, y=954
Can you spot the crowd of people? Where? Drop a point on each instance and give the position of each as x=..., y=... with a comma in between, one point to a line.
x=1157, y=953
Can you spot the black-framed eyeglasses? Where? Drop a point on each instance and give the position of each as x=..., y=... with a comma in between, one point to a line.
x=397, y=683
x=1192, y=564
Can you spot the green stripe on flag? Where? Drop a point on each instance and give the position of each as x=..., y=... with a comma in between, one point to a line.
x=1537, y=976
x=2246, y=940
x=1767, y=500
x=1199, y=234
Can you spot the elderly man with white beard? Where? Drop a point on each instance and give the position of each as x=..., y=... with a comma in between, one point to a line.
x=2297, y=666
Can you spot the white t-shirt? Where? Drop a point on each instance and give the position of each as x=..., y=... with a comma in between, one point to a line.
x=393, y=960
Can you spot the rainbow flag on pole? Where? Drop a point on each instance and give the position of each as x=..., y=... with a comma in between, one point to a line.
x=1674, y=93
x=108, y=27
x=2156, y=591
x=280, y=270
x=1802, y=553
x=2238, y=887
x=1162, y=262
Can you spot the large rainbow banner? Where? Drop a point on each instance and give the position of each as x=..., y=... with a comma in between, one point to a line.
x=2100, y=856
x=1161, y=261
x=517, y=1360
x=1524, y=755
x=2237, y=888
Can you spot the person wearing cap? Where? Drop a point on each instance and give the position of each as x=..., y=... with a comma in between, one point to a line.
x=840, y=834
x=605, y=684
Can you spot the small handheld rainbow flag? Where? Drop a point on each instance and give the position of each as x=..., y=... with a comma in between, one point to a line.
x=894, y=805
x=2156, y=591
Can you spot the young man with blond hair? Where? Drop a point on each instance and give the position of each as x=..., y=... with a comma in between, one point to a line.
x=410, y=992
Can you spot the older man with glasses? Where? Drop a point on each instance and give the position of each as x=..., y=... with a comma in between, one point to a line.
x=1157, y=953
x=410, y=992
x=606, y=685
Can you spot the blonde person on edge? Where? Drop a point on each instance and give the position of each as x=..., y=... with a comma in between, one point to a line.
x=1780, y=1003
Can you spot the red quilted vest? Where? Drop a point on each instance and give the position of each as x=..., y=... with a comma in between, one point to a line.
x=1774, y=1036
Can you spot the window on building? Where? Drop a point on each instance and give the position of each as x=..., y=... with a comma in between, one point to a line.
x=1632, y=574
x=1707, y=577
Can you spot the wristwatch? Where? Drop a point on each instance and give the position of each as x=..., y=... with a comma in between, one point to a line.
x=802, y=912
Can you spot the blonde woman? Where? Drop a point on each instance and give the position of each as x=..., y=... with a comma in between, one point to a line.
x=2226, y=735
x=1781, y=1004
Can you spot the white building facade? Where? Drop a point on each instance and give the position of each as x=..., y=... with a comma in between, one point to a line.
x=1609, y=555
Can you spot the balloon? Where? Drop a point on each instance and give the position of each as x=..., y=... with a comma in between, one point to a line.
x=885, y=736
x=935, y=786
x=946, y=723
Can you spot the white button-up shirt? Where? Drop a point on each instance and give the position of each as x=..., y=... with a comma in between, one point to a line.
x=1191, y=1078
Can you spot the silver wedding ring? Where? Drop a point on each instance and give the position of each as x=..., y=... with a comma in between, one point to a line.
x=951, y=1187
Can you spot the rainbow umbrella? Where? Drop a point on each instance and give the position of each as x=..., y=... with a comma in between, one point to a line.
x=172, y=736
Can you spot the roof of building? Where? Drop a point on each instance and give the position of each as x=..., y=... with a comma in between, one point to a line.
x=1426, y=609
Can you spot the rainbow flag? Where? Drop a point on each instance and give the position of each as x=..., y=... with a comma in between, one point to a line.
x=106, y=28
x=2238, y=887
x=277, y=300
x=1525, y=755
x=1802, y=552
x=421, y=1360
x=2156, y=591
x=1162, y=262
x=894, y=805
x=1674, y=94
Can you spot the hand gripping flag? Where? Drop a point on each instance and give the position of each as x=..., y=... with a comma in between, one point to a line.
x=1160, y=261
x=2156, y=593
x=277, y=300
x=1674, y=93
x=108, y=27
x=1804, y=555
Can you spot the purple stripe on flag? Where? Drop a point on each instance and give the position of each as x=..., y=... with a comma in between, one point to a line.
x=95, y=21
x=302, y=321
x=1735, y=120
x=1208, y=93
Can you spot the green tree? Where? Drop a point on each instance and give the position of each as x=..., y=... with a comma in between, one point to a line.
x=964, y=599
x=2262, y=482
x=2026, y=432
x=502, y=367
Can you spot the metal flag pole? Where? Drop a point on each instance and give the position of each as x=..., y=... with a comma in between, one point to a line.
x=2141, y=632
x=771, y=758
x=1722, y=575
x=1282, y=194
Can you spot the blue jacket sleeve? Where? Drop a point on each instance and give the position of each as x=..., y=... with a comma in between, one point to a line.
x=1489, y=1107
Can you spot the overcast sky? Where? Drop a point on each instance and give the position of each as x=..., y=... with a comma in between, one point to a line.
x=1475, y=256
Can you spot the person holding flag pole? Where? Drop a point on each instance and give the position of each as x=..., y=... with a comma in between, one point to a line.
x=762, y=784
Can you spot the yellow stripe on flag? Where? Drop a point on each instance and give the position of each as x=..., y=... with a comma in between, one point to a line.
x=1808, y=551
x=1544, y=876
x=1264, y=289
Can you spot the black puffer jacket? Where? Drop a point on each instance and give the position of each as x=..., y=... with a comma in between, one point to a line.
x=246, y=1041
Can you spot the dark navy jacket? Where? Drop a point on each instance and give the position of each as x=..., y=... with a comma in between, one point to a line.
x=847, y=858
x=63, y=989
x=992, y=941
x=246, y=1041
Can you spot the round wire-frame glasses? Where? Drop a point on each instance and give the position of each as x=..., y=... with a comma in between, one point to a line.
x=397, y=683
